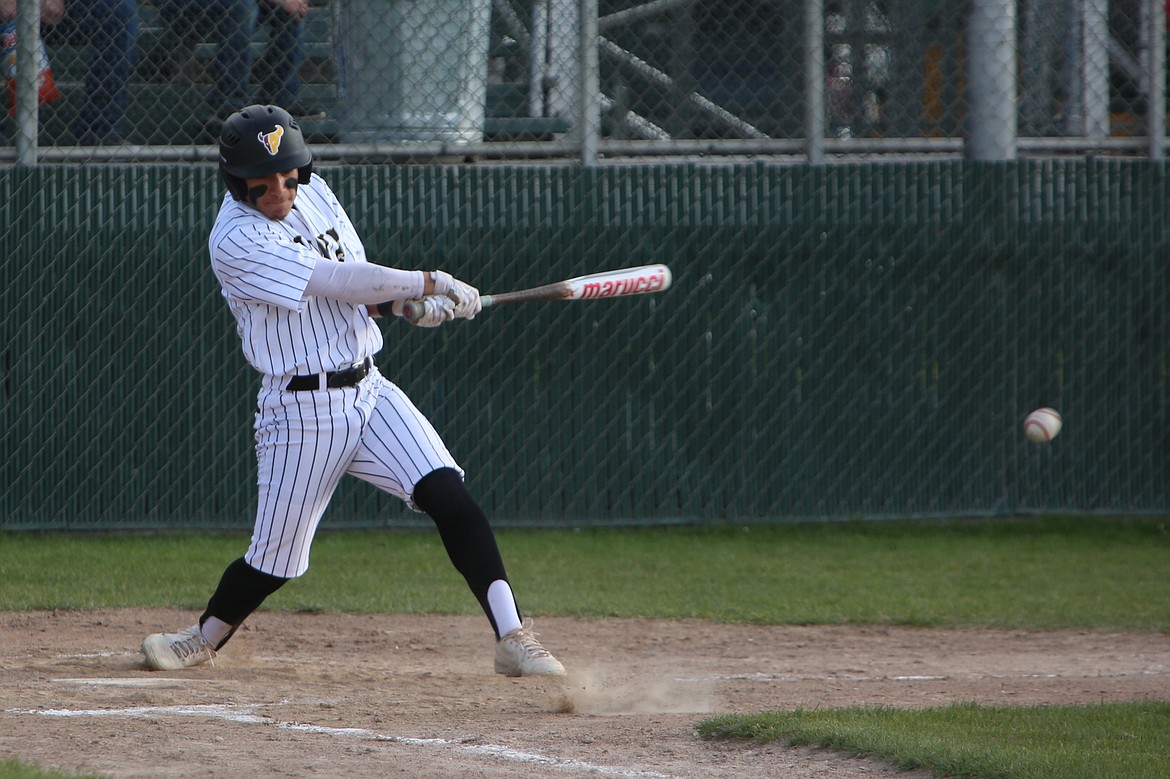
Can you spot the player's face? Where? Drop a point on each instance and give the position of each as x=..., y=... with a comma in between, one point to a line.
x=273, y=195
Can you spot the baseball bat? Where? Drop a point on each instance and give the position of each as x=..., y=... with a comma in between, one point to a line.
x=640, y=280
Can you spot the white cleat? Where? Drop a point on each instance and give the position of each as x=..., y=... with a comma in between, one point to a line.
x=172, y=651
x=518, y=653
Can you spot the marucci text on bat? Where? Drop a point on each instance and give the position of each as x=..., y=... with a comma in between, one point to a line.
x=605, y=289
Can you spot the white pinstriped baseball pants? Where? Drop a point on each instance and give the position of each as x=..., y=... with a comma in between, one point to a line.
x=305, y=443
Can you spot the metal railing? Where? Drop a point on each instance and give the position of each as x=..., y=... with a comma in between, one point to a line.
x=596, y=80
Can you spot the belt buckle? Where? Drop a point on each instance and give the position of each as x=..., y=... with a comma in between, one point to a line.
x=347, y=377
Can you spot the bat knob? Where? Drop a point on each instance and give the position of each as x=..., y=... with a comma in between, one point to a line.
x=412, y=310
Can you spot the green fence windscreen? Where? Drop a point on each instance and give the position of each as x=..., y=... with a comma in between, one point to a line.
x=845, y=341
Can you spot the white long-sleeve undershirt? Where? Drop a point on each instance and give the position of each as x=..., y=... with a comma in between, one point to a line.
x=364, y=282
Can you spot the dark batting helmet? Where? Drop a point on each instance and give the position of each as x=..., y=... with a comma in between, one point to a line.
x=260, y=140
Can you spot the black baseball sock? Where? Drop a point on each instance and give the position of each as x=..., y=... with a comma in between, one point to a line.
x=241, y=590
x=465, y=530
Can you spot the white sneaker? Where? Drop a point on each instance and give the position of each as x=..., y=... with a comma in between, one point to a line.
x=518, y=653
x=172, y=651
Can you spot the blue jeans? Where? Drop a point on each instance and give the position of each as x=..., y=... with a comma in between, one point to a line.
x=234, y=24
x=110, y=29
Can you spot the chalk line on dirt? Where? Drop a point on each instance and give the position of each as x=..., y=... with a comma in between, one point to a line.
x=108, y=681
x=243, y=714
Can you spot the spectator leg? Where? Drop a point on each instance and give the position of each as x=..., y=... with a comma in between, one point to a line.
x=110, y=28
x=279, y=71
x=233, y=58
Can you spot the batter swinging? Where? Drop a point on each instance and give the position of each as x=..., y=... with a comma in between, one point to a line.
x=295, y=276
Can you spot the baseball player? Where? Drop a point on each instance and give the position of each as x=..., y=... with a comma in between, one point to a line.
x=295, y=276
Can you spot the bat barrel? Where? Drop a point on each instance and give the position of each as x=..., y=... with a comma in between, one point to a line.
x=642, y=280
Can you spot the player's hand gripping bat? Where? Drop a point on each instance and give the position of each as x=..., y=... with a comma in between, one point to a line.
x=609, y=284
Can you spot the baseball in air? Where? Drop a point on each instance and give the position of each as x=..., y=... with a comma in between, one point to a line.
x=1042, y=425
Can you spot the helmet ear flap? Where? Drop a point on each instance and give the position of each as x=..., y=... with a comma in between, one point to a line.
x=235, y=185
x=305, y=173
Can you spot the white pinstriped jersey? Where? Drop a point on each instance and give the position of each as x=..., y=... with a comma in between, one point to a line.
x=263, y=267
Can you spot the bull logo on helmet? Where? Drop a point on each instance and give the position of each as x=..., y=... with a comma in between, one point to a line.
x=271, y=140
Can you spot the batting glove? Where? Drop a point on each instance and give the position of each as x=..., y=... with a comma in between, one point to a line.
x=437, y=309
x=466, y=297
x=443, y=282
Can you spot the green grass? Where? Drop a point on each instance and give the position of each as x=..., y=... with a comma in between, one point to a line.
x=11, y=769
x=1046, y=574
x=966, y=740
x=1085, y=573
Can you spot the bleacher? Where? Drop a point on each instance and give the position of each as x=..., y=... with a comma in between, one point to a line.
x=173, y=73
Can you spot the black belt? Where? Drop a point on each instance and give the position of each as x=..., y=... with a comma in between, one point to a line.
x=345, y=378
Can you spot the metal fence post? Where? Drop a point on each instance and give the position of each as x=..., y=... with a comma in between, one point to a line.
x=814, y=80
x=1095, y=91
x=991, y=86
x=28, y=37
x=589, y=118
x=1155, y=64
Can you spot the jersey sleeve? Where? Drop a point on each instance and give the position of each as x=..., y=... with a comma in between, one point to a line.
x=255, y=262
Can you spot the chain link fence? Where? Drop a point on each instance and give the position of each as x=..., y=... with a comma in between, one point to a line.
x=839, y=341
x=150, y=80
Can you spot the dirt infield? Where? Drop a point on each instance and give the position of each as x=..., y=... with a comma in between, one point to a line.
x=331, y=695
